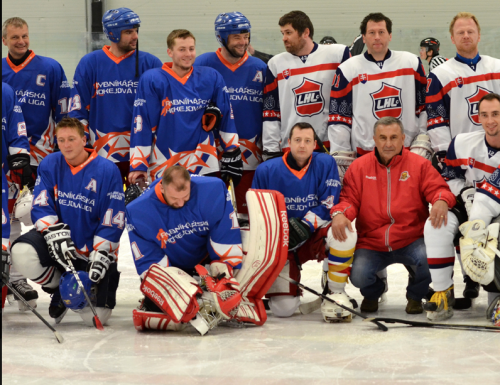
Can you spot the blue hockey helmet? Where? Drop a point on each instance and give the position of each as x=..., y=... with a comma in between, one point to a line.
x=117, y=20
x=71, y=294
x=230, y=23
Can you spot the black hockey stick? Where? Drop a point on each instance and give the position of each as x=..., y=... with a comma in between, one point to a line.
x=59, y=337
x=380, y=326
x=435, y=324
x=69, y=267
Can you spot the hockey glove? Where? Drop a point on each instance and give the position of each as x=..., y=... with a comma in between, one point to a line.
x=421, y=145
x=211, y=118
x=99, y=262
x=438, y=160
x=132, y=192
x=465, y=198
x=299, y=233
x=5, y=267
x=21, y=162
x=266, y=155
x=231, y=166
x=59, y=242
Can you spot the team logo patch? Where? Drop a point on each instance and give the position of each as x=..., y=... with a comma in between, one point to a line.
x=472, y=161
x=309, y=100
x=473, y=102
x=459, y=81
x=405, y=175
x=162, y=236
x=363, y=78
x=286, y=74
x=387, y=102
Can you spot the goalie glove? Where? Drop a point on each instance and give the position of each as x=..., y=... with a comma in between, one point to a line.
x=223, y=287
x=343, y=160
x=211, y=118
x=59, y=242
x=132, y=192
x=21, y=162
x=478, y=247
x=438, y=160
x=299, y=233
x=421, y=145
x=231, y=166
x=5, y=267
x=99, y=262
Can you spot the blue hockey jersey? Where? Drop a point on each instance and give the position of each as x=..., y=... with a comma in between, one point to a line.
x=89, y=198
x=5, y=214
x=43, y=92
x=245, y=85
x=183, y=237
x=102, y=98
x=167, y=121
x=309, y=193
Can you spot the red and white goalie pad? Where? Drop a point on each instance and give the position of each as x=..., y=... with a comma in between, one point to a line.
x=173, y=291
x=154, y=321
x=265, y=250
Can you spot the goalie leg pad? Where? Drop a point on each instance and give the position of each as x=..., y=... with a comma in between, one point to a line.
x=154, y=321
x=340, y=257
x=173, y=291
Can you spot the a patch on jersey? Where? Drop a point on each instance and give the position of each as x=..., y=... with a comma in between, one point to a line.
x=21, y=129
x=405, y=175
x=162, y=236
x=473, y=103
x=387, y=102
x=286, y=74
x=309, y=99
x=258, y=77
x=481, y=183
x=328, y=202
x=269, y=103
x=40, y=80
x=363, y=78
x=472, y=161
x=166, y=104
x=92, y=186
x=459, y=81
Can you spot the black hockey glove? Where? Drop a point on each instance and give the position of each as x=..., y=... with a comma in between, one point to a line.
x=266, y=155
x=99, y=262
x=132, y=192
x=59, y=242
x=299, y=232
x=22, y=162
x=438, y=160
x=211, y=118
x=231, y=166
x=5, y=267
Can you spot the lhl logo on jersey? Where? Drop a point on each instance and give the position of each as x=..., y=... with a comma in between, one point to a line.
x=309, y=100
x=387, y=102
x=459, y=81
x=363, y=78
x=473, y=102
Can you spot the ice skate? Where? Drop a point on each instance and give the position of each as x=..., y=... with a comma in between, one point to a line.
x=27, y=292
x=440, y=307
x=333, y=313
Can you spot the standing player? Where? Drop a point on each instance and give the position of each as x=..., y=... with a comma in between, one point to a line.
x=244, y=77
x=78, y=208
x=106, y=80
x=176, y=110
x=374, y=85
x=298, y=83
x=471, y=159
x=429, y=52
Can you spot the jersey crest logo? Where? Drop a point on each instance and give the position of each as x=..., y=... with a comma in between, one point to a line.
x=166, y=104
x=405, y=175
x=387, y=102
x=162, y=236
x=309, y=100
x=258, y=77
x=40, y=80
x=459, y=81
x=472, y=162
x=363, y=78
x=473, y=102
x=286, y=74
x=92, y=186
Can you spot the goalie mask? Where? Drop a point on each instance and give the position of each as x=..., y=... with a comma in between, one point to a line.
x=22, y=207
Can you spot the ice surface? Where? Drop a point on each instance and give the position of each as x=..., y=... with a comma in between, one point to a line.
x=299, y=350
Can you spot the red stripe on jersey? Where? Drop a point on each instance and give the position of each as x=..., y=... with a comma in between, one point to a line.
x=441, y=261
x=470, y=161
x=470, y=80
x=490, y=188
x=271, y=87
x=308, y=70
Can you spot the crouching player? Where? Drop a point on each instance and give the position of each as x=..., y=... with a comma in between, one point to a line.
x=190, y=220
x=310, y=183
x=79, y=214
x=5, y=239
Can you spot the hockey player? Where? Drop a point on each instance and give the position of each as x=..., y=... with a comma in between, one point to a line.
x=5, y=239
x=310, y=183
x=79, y=213
x=471, y=159
x=106, y=80
x=170, y=123
x=244, y=77
x=191, y=220
x=379, y=83
x=429, y=52
x=455, y=87
x=388, y=192
x=298, y=83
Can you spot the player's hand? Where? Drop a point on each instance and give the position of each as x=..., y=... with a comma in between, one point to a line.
x=59, y=242
x=99, y=262
x=136, y=176
x=339, y=223
x=439, y=214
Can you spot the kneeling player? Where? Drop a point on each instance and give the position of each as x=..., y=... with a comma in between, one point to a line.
x=190, y=218
x=310, y=183
x=79, y=215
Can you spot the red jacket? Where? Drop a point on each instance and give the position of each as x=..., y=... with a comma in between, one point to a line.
x=390, y=203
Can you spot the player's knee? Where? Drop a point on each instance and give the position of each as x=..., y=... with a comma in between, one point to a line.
x=284, y=305
x=25, y=260
x=444, y=234
x=342, y=247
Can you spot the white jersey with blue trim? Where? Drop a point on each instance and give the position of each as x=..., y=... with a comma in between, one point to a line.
x=486, y=204
x=182, y=237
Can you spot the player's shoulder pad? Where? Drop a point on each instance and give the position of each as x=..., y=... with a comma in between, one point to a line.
x=49, y=62
x=257, y=63
x=323, y=158
x=204, y=58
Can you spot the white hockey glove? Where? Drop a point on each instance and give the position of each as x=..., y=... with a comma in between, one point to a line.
x=343, y=160
x=478, y=247
x=59, y=242
x=466, y=198
x=99, y=262
x=421, y=145
x=5, y=267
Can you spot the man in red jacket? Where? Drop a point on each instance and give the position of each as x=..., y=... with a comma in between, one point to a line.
x=388, y=192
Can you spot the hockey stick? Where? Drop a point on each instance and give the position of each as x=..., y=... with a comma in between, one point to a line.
x=434, y=324
x=233, y=196
x=311, y=306
x=59, y=337
x=380, y=326
x=321, y=145
x=69, y=267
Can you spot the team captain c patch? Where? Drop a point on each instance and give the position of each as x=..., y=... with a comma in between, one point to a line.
x=309, y=100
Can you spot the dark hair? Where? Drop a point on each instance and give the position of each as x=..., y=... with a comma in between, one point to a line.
x=301, y=126
x=71, y=123
x=489, y=97
x=176, y=175
x=375, y=17
x=299, y=21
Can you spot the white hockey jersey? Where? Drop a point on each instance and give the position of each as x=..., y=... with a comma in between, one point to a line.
x=365, y=90
x=486, y=204
x=453, y=93
x=298, y=90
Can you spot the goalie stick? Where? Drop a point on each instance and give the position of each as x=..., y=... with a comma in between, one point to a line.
x=59, y=337
x=440, y=325
x=376, y=322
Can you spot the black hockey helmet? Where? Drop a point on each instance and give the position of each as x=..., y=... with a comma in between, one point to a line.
x=327, y=40
x=431, y=43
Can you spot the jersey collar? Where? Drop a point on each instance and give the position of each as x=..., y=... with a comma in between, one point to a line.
x=159, y=194
x=292, y=166
x=116, y=59
x=492, y=151
x=18, y=68
x=470, y=62
x=77, y=169
x=230, y=66
x=167, y=67
x=380, y=63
